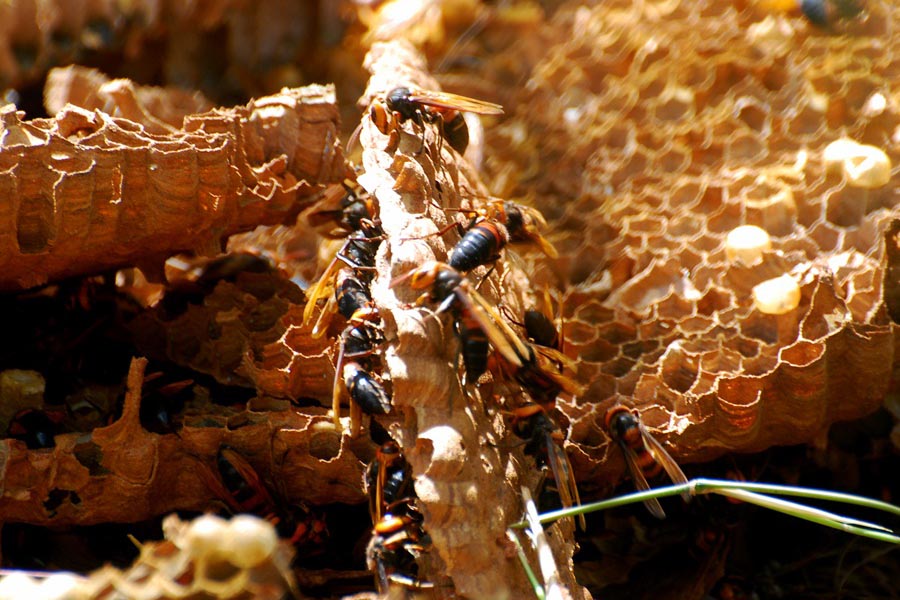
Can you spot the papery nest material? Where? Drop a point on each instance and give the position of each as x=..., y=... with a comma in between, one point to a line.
x=466, y=477
x=123, y=473
x=85, y=192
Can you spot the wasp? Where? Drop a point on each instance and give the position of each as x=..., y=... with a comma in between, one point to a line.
x=524, y=224
x=242, y=489
x=475, y=328
x=539, y=373
x=491, y=228
x=351, y=293
x=357, y=255
x=544, y=441
x=543, y=369
x=539, y=324
x=540, y=329
x=396, y=542
x=481, y=244
x=539, y=369
x=348, y=274
x=388, y=480
x=644, y=455
x=38, y=428
x=821, y=13
x=424, y=106
x=825, y=13
x=358, y=343
x=342, y=211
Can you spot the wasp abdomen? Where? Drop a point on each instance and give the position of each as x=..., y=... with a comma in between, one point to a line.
x=366, y=391
x=541, y=329
x=480, y=245
x=351, y=295
x=456, y=132
x=475, y=349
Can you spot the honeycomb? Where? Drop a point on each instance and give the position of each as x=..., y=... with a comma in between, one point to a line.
x=123, y=473
x=158, y=110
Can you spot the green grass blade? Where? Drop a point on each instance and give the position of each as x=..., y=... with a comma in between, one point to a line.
x=532, y=578
x=752, y=493
x=789, y=490
x=583, y=509
x=546, y=561
x=815, y=515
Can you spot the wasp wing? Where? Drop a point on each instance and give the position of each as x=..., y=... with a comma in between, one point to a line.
x=548, y=359
x=324, y=286
x=665, y=459
x=455, y=102
x=562, y=474
x=502, y=337
x=544, y=245
x=522, y=350
x=640, y=482
x=336, y=387
x=533, y=222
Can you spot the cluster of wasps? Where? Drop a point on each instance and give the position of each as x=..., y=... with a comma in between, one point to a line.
x=538, y=366
x=353, y=217
x=398, y=537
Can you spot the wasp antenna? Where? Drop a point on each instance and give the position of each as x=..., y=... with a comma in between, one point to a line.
x=354, y=137
x=336, y=389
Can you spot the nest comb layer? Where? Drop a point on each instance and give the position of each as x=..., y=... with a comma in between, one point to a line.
x=87, y=192
x=646, y=132
x=124, y=473
x=198, y=558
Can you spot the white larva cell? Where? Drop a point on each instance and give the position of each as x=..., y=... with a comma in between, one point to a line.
x=747, y=244
x=251, y=540
x=777, y=296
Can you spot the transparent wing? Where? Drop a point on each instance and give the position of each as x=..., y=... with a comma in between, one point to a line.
x=665, y=459
x=455, y=102
x=640, y=482
x=565, y=480
x=502, y=337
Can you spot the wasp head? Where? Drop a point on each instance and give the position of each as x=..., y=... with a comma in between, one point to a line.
x=622, y=424
x=398, y=101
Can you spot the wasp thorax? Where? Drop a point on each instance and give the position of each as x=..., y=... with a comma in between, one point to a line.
x=398, y=101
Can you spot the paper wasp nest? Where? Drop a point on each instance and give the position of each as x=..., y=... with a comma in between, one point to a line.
x=650, y=134
x=467, y=478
